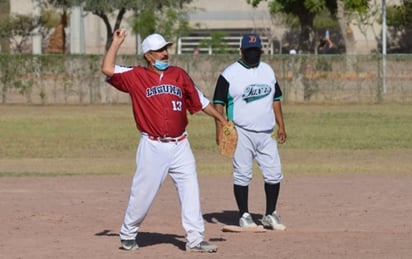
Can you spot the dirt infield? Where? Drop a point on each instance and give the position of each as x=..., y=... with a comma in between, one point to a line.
x=339, y=216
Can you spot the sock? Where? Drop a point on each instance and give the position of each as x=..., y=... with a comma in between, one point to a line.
x=272, y=194
x=241, y=196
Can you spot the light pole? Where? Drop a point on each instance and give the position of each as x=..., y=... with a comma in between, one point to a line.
x=384, y=46
x=36, y=36
x=76, y=30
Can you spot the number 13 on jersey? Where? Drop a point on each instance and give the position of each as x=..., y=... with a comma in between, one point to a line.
x=177, y=105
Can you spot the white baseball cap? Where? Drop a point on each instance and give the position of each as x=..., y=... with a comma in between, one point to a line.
x=154, y=42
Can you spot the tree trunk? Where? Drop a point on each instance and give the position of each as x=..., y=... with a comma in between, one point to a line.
x=306, y=40
x=4, y=12
x=347, y=32
x=347, y=35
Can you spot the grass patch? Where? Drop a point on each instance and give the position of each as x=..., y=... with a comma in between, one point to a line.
x=100, y=140
x=349, y=127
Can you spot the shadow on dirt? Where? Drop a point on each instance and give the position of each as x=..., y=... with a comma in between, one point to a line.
x=227, y=217
x=150, y=239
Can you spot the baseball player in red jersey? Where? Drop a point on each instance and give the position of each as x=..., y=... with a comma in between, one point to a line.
x=161, y=95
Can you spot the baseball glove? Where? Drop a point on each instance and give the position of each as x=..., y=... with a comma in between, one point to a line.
x=228, y=140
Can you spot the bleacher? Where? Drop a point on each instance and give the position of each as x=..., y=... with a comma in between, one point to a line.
x=229, y=44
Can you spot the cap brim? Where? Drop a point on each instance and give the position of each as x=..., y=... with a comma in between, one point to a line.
x=166, y=44
x=250, y=47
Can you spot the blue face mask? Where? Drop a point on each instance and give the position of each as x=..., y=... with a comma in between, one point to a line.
x=161, y=65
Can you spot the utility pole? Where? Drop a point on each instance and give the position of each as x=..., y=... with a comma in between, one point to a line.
x=36, y=35
x=384, y=46
x=76, y=30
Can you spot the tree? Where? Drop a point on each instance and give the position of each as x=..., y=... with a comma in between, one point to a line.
x=4, y=13
x=400, y=15
x=399, y=21
x=306, y=11
x=17, y=29
x=217, y=44
x=106, y=8
x=362, y=15
x=168, y=21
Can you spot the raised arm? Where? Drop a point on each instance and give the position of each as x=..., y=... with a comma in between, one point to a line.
x=110, y=57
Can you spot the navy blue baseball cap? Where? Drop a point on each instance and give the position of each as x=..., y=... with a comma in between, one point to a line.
x=251, y=40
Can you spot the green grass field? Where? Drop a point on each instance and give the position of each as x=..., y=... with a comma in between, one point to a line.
x=102, y=139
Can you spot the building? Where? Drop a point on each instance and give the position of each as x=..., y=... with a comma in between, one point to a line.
x=233, y=17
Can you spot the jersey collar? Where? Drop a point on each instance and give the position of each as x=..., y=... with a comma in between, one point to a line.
x=243, y=63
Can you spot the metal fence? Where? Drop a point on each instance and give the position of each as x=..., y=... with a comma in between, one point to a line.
x=230, y=44
x=64, y=79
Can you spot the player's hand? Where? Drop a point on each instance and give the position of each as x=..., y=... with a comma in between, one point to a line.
x=281, y=136
x=119, y=35
x=219, y=127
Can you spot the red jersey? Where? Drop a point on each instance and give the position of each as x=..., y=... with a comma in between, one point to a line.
x=160, y=102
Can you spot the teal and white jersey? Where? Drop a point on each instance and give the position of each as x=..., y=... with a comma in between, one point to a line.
x=248, y=94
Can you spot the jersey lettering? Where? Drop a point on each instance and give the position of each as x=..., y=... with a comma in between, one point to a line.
x=164, y=89
x=177, y=106
x=255, y=92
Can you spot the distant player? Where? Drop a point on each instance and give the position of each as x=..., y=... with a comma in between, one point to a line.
x=161, y=96
x=250, y=93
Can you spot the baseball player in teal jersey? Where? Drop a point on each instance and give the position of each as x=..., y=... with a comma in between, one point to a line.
x=250, y=94
x=161, y=97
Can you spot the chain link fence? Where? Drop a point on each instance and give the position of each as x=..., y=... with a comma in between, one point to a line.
x=68, y=79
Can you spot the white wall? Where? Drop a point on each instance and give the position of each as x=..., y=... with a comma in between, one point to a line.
x=212, y=14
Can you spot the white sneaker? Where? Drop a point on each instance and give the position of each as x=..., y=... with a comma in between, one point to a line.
x=129, y=245
x=202, y=247
x=246, y=221
x=273, y=222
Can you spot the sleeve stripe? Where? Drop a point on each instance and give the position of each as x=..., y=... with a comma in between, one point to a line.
x=219, y=102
